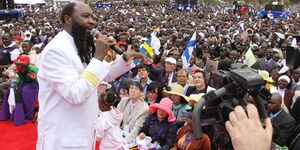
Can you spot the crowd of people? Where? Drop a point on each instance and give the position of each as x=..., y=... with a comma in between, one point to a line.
x=155, y=98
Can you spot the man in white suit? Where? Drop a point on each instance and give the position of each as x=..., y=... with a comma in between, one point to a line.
x=68, y=78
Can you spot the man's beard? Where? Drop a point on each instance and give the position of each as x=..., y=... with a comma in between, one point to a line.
x=83, y=41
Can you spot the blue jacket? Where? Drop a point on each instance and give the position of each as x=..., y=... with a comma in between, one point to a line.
x=162, y=132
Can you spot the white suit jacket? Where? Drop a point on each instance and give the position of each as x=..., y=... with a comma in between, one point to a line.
x=68, y=96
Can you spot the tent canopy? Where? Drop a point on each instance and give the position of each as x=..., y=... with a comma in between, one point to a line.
x=33, y=2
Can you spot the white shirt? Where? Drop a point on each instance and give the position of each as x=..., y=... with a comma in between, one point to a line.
x=170, y=78
x=14, y=53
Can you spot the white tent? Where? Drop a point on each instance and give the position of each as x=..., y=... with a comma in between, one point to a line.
x=32, y=2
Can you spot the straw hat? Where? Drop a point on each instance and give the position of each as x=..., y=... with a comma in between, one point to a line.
x=265, y=75
x=177, y=89
x=194, y=98
x=166, y=105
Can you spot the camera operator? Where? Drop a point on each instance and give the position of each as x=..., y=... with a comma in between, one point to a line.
x=246, y=131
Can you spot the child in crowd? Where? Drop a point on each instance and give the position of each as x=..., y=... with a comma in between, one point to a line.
x=107, y=125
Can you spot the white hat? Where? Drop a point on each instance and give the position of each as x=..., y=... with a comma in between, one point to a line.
x=171, y=60
x=284, y=77
x=107, y=84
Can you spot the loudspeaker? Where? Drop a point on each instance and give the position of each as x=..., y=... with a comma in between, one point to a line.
x=292, y=55
x=274, y=7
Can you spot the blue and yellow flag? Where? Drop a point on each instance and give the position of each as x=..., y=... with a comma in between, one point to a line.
x=150, y=47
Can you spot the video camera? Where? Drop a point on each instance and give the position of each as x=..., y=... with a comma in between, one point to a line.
x=233, y=88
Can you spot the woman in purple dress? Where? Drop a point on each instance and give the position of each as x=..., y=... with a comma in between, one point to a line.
x=25, y=92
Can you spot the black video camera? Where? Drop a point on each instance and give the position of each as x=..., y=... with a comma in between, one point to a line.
x=233, y=88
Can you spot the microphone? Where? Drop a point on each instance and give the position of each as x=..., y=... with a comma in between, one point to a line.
x=96, y=34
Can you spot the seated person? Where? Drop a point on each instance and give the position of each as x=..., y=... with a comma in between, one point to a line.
x=160, y=124
x=180, y=101
x=135, y=111
x=186, y=138
x=103, y=87
x=199, y=84
x=283, y=124
x=25, y=93
x=154, y=92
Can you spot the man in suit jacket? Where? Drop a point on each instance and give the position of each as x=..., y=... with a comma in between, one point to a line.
x=167, y=74
x=282, y=122
x=135, y=110
x=266, y=63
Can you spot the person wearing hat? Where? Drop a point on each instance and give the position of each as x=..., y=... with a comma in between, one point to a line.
x=160, y=125
x=103, y=87
x=20, y=100
x=286, y=94
x=194, y=98
x=170, y=74
x=180, y=101
x=167, y=74
x=265, y=75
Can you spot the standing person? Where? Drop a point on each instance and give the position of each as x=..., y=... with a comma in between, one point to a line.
x=108, y=131
x=68, y=78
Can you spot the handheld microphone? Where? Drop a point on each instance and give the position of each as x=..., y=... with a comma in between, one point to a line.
x=96, y=34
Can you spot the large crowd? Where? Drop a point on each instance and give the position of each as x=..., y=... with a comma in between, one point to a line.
x=154, y=100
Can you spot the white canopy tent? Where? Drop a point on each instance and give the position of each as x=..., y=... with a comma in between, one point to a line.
x=30, y=2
